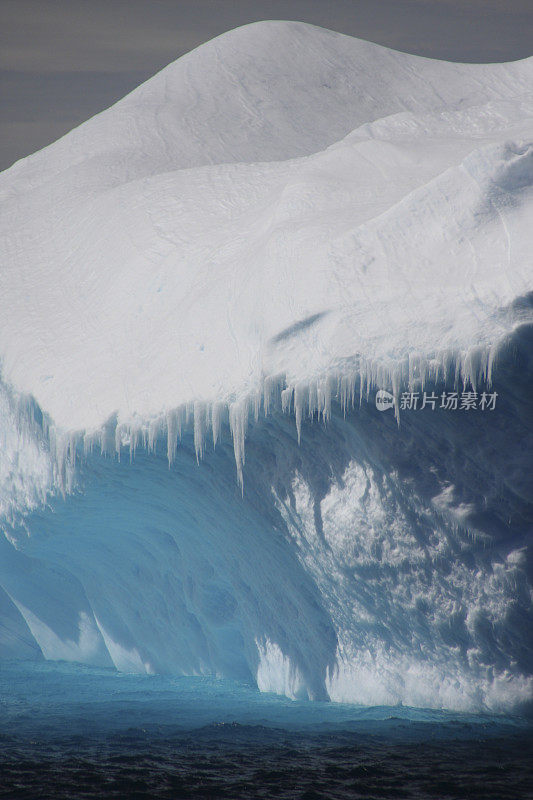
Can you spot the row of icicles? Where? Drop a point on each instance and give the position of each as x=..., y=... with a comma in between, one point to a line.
x=347, y=386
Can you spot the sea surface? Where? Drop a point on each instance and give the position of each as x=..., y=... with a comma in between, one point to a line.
x=68, y=731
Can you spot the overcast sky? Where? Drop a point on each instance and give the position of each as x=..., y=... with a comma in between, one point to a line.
x=61, y=61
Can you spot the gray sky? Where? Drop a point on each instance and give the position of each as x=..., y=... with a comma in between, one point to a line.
x=61, y=61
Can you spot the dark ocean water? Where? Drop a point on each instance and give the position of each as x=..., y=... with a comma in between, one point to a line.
x=73, y=732
x=255, y=762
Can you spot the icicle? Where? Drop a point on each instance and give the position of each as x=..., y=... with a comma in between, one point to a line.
x=423, y=370
x=395, y=381
x=343, y=393
x=490, y=363
x=172, y=435
x=58, y=446
x=238, y=422
x=87, y=444
x=199, y=429
x=475, y=369
x=313, y=399
x=133, y=443
x=300, y=394
x=353, y=380
x=118, y=441
x=447, y=364
x=72, y=448
x=153, y=429
x=369, y=381
x=216, y=414
x=457, y=371
x=286, y=397
x=328, y=391
x=267, y=395
x=412, y=369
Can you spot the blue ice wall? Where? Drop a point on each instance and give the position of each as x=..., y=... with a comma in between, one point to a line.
x=371, y=562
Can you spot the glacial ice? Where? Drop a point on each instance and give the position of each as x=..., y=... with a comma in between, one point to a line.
x=220, y=271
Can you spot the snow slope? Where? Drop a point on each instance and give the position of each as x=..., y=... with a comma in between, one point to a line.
x=147, y=274
x=284, y=219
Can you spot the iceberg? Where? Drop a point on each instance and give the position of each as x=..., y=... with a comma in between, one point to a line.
x=203, y=289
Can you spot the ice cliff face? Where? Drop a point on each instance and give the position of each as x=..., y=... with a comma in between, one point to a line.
x=224, y=267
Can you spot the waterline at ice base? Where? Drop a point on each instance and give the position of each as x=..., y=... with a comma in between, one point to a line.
x=266, y=343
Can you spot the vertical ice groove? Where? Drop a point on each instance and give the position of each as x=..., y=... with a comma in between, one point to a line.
x=423, y=371
x=257, y=404
x=267, y=395
x=457, y=372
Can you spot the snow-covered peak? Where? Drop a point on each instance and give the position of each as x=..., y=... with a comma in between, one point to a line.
x=263, y=92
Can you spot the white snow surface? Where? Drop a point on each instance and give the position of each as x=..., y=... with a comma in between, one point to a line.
x=282, y=200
